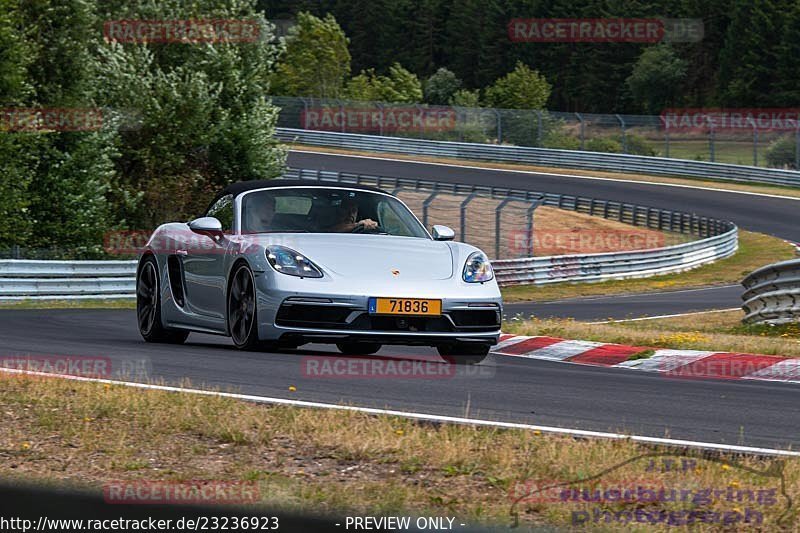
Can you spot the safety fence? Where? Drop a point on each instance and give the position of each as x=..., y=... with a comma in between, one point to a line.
x=742, y=137
x=773, y=294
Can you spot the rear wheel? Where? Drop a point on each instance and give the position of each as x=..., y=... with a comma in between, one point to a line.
x=242, y=314
x=462, y=353
x=148, y=306
x=358, y=348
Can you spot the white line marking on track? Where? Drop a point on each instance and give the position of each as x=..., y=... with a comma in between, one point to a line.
x=666, y=316
x=539, y=173
x=431, y=417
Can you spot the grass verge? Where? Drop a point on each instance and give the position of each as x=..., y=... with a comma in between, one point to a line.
x=755, y=251
x=772, y=190
x=320, y=461
x=128, y=303
x=721, y=332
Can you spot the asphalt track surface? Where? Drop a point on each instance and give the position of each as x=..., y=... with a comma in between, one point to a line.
x=503, y=388
x=631, y=306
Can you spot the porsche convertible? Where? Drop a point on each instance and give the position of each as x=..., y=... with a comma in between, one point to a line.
x=278, y=264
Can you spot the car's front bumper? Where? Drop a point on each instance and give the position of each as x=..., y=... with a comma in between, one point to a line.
x=469, y=314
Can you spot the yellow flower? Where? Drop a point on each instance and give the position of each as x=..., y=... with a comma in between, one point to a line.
x=734, y=484
x=107, y=386
x=26, y=445
x=537, y=432
x=399, y=432
x=726, y=467
x=292, y=388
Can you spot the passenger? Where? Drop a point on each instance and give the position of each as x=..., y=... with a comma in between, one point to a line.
x=259, y=215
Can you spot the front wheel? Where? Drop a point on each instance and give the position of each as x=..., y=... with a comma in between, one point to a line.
x=242, y=314
x=148, y=306
x=462, y=353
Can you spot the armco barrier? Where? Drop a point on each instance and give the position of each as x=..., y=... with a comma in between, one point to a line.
x=543, y=157
x=22, y=279
x=718, y=239
x=773, y=294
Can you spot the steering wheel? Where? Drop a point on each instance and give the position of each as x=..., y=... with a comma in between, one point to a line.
x=360, y=228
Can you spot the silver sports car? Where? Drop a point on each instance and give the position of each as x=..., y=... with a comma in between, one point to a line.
x=277, y=264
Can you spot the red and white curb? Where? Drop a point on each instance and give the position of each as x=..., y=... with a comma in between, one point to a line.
x=685, y=364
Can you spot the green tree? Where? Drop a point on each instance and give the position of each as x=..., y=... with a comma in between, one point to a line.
x=316, y=61
x=521, y=88
x=441, y=86
x=788, y=89
x=203, y=118
x=466, y=98
x=656, y=78
x=748, y=61
x=399, y=86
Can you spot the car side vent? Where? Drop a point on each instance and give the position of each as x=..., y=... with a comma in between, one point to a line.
x=175, y=269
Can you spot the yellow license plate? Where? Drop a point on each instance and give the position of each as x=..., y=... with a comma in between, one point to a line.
x=405, y=306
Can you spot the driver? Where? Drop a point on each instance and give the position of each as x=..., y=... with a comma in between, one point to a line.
x=347, y=216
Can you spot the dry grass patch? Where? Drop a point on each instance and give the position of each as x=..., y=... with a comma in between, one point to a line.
x=723, y=332
x=337, y=461
x=555, y=231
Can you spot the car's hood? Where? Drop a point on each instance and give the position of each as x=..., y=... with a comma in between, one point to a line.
x=373, y=257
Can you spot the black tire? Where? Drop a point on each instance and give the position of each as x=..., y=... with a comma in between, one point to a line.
x=358, y=348
x=242, y=309
x=464, y=353
x=148, y=306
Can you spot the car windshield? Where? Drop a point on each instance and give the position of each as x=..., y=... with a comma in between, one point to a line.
x=327, y=210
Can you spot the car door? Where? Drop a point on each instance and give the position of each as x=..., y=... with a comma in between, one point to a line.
x=204, y=263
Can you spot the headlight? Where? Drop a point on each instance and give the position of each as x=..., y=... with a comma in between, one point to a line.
x=287, y=261
x=478, y=268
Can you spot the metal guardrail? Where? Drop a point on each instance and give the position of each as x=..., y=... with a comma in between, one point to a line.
x=773, y=294
x=24, y=279
x=543, y=157
x=719, y=238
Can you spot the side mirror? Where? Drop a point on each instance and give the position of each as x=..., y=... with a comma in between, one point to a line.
x=443, y=233
x=206, y=225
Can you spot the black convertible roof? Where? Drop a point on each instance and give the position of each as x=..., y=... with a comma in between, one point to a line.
x=243, y=186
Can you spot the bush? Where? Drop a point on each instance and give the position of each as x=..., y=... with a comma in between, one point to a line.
x=781, y=153
x=603, y=144
x=638, y=145
x=561, y=141
x=440, y=87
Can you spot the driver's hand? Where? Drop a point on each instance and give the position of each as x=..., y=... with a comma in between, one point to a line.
x=368, y=224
